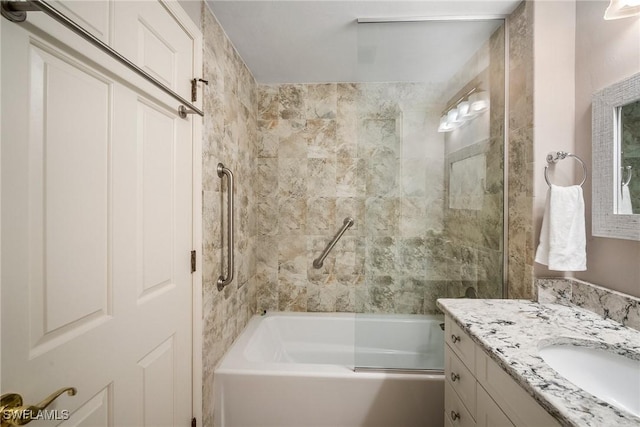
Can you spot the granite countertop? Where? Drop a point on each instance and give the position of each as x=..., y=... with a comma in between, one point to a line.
x=511, y=331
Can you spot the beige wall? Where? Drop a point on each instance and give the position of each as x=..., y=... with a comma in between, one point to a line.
x=606, y=52
x=553, y=105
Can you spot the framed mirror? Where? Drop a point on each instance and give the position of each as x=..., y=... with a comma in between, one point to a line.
x=616, y=160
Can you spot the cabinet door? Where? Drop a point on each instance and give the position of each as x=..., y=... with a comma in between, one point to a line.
x=488, y=414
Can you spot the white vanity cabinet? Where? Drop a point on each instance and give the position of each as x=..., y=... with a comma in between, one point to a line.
x=479, y=393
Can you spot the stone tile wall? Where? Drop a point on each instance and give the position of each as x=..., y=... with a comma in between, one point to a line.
x=521, y=161
x=370, y=151
x=230, y=136
x=328, y=151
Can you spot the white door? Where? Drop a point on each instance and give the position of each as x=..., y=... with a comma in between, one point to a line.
x=96, y=172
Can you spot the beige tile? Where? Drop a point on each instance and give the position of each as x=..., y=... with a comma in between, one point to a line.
x=321, y=101
x=292, y=101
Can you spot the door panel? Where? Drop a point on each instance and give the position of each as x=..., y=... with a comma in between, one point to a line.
x=93, y=16
x=158, y=375
x=96, y=412
x=156, y=54
x=156, y=42
x=69, y=190
x=156, y=138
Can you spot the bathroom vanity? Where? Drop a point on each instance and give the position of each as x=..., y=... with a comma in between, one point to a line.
x=479, y=393
x=496, y=375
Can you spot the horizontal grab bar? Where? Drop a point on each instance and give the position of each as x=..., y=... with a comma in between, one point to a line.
x=348, y=222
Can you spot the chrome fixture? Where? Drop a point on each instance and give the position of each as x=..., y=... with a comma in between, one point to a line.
x=470, y=292
x=222, y=280
x=348, y=222
x=555, y=157
x=400, y=19
x=16, y=11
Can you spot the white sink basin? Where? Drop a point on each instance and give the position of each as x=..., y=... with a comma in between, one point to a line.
x=609, y=376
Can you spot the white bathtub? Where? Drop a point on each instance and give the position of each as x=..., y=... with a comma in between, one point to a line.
x=297, y=370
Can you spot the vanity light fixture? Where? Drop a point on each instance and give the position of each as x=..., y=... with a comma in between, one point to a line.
x=622, y=9
x=464, y=110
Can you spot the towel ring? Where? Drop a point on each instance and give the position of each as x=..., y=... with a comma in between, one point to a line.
x=554, y=157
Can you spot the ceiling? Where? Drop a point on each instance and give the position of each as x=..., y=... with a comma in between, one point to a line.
x=320, y=41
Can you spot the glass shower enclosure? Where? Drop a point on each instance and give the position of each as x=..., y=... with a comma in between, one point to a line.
x=427, y=149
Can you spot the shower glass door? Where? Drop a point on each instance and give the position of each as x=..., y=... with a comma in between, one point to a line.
x=426, y=123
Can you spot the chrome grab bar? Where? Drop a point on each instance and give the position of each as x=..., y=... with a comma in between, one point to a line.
x=224, y=281
x=348, y=222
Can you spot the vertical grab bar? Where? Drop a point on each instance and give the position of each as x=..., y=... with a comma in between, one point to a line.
x=224, y=281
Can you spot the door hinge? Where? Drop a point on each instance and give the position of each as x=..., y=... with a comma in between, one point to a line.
x=194, y=88
x=193, y=422
x=193, y=263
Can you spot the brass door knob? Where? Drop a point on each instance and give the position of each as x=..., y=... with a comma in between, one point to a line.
x=15, y=413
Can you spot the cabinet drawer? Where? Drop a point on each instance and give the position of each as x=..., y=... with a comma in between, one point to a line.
x=488, y=413
x=514, y=401
x=460, y=379
x=454, y=410
x=460, y=343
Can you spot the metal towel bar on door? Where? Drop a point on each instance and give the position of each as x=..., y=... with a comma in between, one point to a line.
x=16, y=11
x=556, y=156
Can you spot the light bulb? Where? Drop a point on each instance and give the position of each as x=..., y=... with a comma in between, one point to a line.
x=464, y=111
x=444, y=125
x=479, y=102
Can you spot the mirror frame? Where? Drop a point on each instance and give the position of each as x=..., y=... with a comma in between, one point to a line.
x=605, y=155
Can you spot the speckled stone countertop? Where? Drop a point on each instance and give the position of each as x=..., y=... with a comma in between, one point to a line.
x=511, y=331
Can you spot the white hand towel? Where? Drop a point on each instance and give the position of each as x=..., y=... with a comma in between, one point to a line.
x=562, y=237
x=624, y=207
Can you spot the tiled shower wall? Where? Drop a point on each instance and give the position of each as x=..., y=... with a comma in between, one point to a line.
x=331, y=151
x=521, y=161
x=372, y=152
x=229, y=137
x=368, y=151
